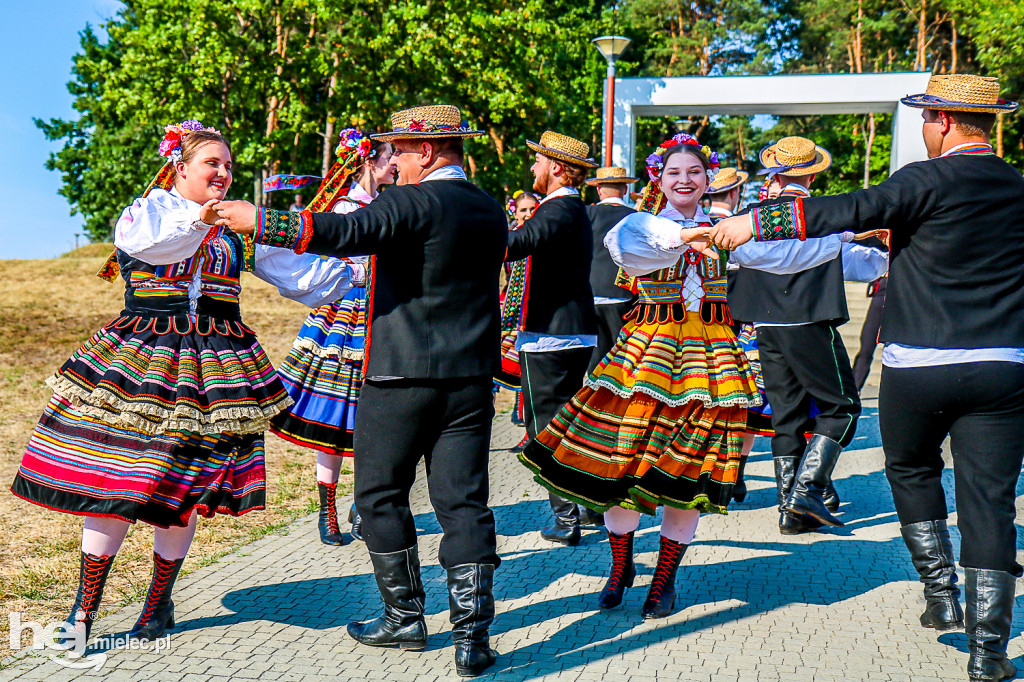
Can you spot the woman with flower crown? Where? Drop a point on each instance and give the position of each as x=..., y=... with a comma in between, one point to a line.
x=159, y=417
x=324, y=370
x=660, y=421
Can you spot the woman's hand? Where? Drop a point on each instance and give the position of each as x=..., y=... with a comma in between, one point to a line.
x=207, y=213
x=697, y=239
x=237, y=216
x=729, y=233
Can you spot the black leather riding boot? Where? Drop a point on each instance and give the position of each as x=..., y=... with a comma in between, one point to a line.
x=785, y=475
x=566, y=530
x=989, y=616
x=931, y=550
x=402, y=625
x=814, y=474
x=471, y=600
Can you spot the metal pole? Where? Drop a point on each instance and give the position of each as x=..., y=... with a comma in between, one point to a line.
x=609, y=114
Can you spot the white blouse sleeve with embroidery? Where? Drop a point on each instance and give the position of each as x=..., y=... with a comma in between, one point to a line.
x=307, y=278
x=641, y=243
x=160, y=229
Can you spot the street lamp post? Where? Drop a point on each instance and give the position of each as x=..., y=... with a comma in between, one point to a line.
x=611, y=48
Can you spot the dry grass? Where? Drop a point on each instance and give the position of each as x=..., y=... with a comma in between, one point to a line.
x=49, y=307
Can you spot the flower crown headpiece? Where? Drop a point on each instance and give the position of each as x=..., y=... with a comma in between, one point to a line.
x=511, y=208
x=656, y=164
x=174, y=135
x=355, y=141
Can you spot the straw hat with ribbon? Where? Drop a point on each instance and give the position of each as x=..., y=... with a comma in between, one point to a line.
x=611, y=175
x=961, y=92
x=564, y=148
x=727, y=179
x=435, y=121
x=794, y=156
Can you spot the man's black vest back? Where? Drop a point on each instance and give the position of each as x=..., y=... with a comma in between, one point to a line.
x=559, y=240
x=815, y=295
x=433, y=298
x=956, y=278
x=603, y=270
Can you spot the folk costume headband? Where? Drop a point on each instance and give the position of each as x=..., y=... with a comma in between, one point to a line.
x=794, y=156
x=727, y=179
x=436, y=121
x=961, y=92
x=170, y=148
x=354, y=147
x=652, y=199
x=611, y=175
x=563, y=148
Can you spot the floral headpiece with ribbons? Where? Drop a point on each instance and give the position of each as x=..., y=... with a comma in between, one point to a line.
x=652, y=200
x=656, y=164
x=174, y=135
x=170, y=148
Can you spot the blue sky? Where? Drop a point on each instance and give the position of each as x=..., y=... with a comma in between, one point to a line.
x=39, y=41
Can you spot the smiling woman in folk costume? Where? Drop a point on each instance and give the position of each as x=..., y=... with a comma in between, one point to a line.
x=159, y=417
x=324, y=370
x=660, y=421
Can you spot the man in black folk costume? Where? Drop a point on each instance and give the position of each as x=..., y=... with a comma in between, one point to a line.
x=953, y=362
x=437, y=244
x=802, y=356
x=560, y=327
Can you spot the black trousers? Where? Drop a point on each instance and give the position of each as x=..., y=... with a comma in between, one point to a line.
x=800, y=363
x=869, y=336
x=980, y=405
x=609, y=324
x=550, y=380
x=447, y=422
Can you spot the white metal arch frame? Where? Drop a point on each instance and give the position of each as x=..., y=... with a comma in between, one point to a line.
x=773, y=95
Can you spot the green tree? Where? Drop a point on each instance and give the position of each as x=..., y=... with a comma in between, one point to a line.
x=281, y=77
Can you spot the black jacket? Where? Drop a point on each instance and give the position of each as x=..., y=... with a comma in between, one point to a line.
x=956, y=278
x=558, y=236
x=814, y=295
x=433, y=298
x=603, y=271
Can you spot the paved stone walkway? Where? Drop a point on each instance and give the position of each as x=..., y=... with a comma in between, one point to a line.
x=752, y=604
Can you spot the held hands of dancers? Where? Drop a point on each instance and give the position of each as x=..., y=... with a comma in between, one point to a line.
x=237, y=216
x=732, y=232
x=697, y=239
x=207, y=213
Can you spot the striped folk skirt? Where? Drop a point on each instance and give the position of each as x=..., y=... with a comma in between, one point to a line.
x=154, y=418
x=659, y=422
x=323, y=374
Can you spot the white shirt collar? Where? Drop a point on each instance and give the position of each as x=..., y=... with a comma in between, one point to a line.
x=358, y=194
x=561, y=192
x=719, y=211
x=672, y=214
x=959, y=146
x=451, y=172
x=612, y=200
x=797, y=188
